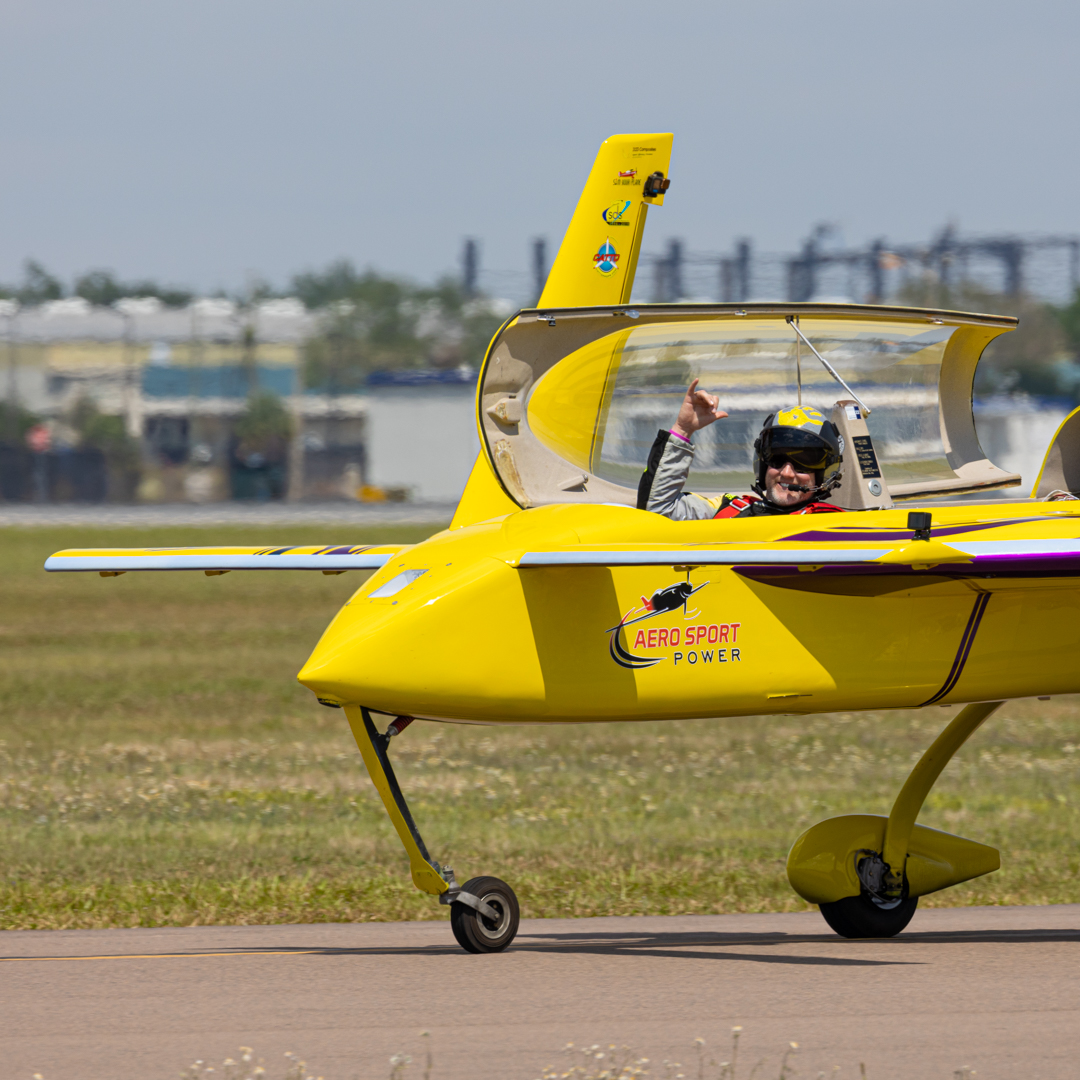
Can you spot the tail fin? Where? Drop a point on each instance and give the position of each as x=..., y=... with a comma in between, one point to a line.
x=599, y=253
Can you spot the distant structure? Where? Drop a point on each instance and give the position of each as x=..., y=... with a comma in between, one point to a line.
x=470, y=268
x=668, y=275
x=822, y=267
x=735, y=275
x=539, y=267
x=1047, y=266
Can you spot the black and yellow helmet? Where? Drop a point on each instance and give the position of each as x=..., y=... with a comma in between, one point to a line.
x=799, y=434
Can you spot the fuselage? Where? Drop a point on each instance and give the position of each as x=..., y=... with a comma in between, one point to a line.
x=479, y=637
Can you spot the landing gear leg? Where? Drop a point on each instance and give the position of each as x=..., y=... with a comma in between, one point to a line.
x=918, y=784
x=866, y=873
x=484, y=911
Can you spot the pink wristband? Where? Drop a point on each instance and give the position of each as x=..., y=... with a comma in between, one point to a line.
x=678, y=436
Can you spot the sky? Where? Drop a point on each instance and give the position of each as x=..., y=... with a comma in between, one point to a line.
x=206, y=142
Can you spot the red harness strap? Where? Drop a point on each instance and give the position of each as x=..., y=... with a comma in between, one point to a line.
x=737, y=505
x=740, y=502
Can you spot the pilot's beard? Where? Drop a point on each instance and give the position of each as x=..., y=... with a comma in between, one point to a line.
x=775, y=489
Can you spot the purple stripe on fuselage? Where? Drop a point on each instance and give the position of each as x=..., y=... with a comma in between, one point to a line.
x=852, y=534
x=1039, y=564
x=1038, y=560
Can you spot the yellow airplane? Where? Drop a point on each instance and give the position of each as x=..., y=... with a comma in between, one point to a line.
x=552, y=598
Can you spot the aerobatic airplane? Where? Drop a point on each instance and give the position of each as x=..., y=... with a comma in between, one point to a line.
x=578, y=606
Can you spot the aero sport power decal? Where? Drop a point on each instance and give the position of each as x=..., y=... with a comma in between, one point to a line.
x=692, y=642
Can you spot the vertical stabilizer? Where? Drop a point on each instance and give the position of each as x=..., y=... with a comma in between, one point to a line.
x=599, y=253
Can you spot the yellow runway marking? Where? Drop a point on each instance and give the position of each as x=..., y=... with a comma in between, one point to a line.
x=159, y=956
x=525, y=944
x=332, y=950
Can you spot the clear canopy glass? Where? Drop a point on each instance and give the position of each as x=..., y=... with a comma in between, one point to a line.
x=754, y=365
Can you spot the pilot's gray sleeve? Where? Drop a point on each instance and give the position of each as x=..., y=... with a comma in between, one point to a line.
x=662, y=484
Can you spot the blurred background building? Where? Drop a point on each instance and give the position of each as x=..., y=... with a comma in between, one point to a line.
x=366, y=394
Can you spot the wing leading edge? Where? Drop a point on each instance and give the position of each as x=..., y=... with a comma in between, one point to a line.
x=694, y=556
x=1014, y=557
x=123, y=560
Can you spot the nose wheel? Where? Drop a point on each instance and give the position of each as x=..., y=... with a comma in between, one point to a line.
x=484, y=911
x=485, y=931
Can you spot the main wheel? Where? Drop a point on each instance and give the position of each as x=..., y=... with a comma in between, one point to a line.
x=864, y=917
x=477, y=933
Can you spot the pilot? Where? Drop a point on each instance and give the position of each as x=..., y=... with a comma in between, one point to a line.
x=797, y=447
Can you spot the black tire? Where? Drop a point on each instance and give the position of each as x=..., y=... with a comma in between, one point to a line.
x=476, y=933
x=864, y=917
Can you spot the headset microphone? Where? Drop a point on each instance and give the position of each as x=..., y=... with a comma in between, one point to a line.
x=834, y=481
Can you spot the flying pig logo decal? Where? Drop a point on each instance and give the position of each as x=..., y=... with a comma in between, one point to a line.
x=680, y=643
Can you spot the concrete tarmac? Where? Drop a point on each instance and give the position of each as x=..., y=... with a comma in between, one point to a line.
x=994, y=989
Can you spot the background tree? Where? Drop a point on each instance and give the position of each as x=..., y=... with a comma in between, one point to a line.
x=39, y=286
x=105, y=433
x=375, y=323
x=263, y=429
x=15, y=422
x=1069, y=316
x=1032, y=358
x=101, y=287
x=259, y=449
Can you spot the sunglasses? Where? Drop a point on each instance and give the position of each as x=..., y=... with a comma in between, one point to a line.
x=801, y=460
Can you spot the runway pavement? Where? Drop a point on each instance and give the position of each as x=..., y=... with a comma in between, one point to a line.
x=995, y=989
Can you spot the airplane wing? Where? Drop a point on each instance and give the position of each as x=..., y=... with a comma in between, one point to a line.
x=711, y=556
x=218, y=560
x=1015, y=557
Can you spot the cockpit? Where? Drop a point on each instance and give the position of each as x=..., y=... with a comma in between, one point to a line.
x=571, y=399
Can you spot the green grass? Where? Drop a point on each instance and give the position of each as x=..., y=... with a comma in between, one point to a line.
x=159, y=765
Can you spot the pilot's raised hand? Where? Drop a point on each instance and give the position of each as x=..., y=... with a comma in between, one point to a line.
x=699, y=409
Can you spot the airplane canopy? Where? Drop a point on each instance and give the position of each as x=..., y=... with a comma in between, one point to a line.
x=571, y=399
